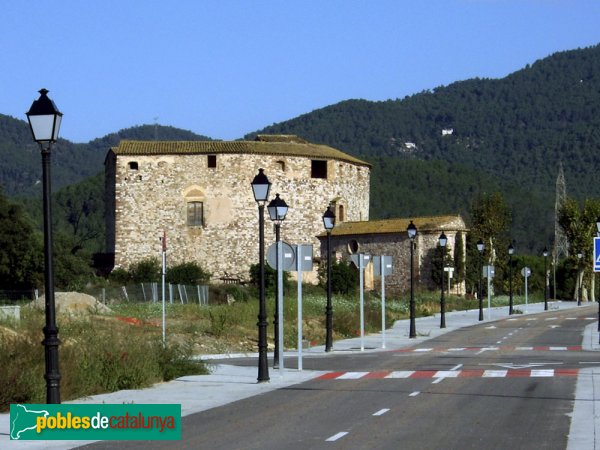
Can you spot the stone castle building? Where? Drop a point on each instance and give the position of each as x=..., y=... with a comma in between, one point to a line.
x=199, y=194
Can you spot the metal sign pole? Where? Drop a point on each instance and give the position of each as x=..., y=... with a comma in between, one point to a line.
x=299, y=269
x=164, y=272
x=489, y=294
x=526, y=291
x=361, y=266
x=382, y=301
x=280, y=303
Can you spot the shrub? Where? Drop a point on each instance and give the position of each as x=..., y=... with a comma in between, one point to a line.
x=119, y=276
x=270, y=277
x=187, y=273
x=145, y=271
x=344, y=277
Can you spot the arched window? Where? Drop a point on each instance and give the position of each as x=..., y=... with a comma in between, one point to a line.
x=194, y=207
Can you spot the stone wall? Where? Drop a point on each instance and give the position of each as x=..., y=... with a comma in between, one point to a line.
x=149, y=194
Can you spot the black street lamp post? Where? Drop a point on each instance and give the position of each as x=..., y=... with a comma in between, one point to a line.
x=511, y=252
x=443, y=240
x=480, y=248
x=277, y=210
x=260, y=189
x=545, y=254
x=598, y=234
x=412, y=234
x=329, y=223
x=44, y=120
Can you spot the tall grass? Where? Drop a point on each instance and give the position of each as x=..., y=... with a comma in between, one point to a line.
x=96, y=355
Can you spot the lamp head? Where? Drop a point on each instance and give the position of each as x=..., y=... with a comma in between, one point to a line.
x=260, y=187
x=328, y=219
x=44, y=119
x=277, y=209
x=412, y=231
x=443, y=240
x=480, y=246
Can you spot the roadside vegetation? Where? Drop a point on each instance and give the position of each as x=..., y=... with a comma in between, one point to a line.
x=123, y=349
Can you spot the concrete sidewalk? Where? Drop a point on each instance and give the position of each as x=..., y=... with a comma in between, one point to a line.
x=228, y=383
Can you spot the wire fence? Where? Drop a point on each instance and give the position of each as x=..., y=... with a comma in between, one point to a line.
x=134, y=293
x=152, y=293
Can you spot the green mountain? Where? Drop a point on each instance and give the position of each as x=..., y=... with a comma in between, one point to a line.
x=432, y=152
x=435, y=151
x=21, y=168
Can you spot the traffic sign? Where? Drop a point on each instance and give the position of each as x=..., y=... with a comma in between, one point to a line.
x=305, y=262
x=289, y=256
x=360, y=260
x=597, y=254
x=526, y=271
x=488, y=272
x=387, y=265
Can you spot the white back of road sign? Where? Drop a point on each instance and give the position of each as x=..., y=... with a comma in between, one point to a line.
x=597, y=254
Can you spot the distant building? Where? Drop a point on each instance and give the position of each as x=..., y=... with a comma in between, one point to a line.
x=199, y=193
x=389, y=237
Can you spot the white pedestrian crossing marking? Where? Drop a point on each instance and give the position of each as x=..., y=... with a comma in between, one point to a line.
x=352, y=375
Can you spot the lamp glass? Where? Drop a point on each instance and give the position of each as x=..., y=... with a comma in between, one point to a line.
x=443, y=240
x=412, y=230
x=261, y=186
x=511, y=250
x=480, y=245
x=44, y=119
x=328, y=219
x=277, y=209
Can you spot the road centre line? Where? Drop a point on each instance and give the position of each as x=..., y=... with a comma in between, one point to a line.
x=414, y=394
x=336, y=436
x=381, y=412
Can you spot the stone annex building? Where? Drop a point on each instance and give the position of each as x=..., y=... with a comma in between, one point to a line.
x=199, y=193
x=389, y=237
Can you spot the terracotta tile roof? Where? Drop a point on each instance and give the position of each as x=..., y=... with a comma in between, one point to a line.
x=280, y=145
x=423, y=224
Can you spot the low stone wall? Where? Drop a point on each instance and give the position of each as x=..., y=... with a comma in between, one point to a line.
x=10, y=312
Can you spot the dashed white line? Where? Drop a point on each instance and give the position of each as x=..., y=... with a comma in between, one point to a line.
x=336, y=436
x=414, y=394
x=458, y=366
x=381, y=412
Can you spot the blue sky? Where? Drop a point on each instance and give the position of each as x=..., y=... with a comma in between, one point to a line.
x=224, y=68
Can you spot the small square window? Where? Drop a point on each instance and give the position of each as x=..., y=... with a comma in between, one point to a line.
x=133, y=165
x=212, y=161
x=318, y=169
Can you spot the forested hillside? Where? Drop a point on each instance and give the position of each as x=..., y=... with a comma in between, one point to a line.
x=438, y=149
x=432, y=153
x=21, y=168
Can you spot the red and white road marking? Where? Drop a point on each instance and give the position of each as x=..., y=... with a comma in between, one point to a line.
x=539, y=348
x=467, y=373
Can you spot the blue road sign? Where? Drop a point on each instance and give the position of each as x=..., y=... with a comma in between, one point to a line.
x=597, y=254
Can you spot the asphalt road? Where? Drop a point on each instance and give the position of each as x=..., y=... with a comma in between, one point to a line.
x=508, y=384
